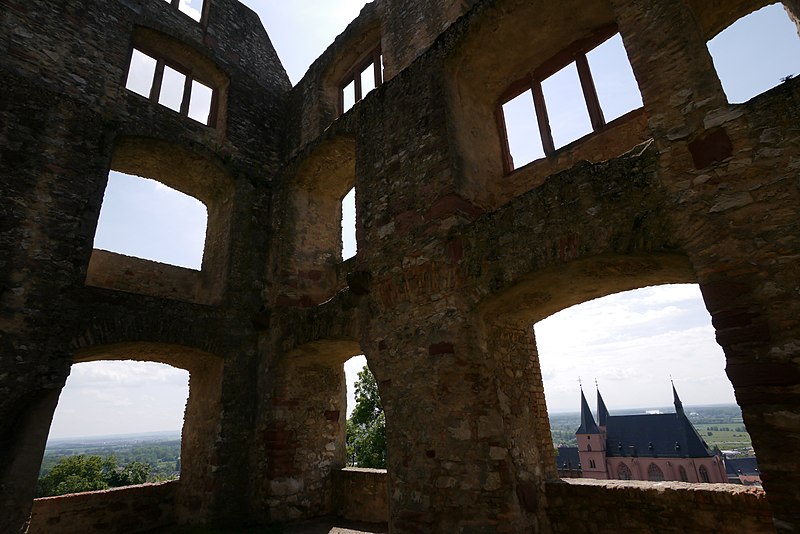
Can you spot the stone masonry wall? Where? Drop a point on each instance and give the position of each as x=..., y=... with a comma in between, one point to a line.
x=456, y=259
x=120, y=510
x=600, y=507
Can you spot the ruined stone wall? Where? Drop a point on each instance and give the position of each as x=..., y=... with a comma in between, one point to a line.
x=65, y=113
x=361, y=494
x=121, y=510
x=456, y=259
x=614, y=506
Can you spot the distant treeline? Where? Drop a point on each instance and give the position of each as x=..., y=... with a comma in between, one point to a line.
x=76, y=467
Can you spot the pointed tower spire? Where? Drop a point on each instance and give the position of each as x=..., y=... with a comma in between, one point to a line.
x=678, y=403
x=588, y=426
x=602, y=411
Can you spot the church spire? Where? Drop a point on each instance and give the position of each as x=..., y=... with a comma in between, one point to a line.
x=588, y=426
x=678, y=403
x=602, y=411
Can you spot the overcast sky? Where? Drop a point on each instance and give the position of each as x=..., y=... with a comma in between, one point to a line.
x=630, y=342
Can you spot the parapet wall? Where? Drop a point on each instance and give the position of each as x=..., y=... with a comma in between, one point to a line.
x=361, y=494
x=595, y=506
x=124, y=510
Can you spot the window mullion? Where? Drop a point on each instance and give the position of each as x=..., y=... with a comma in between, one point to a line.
x=158, y=77
x=589, y=92
x=187, y=95
x=541, y=117
x=357, y=86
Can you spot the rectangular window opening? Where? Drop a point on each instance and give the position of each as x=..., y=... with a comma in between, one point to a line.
x=348, y=96
x=522, y=130
x=172, y=88
x=566, y=106
x=145, y=219
x=349, y=244
x=613, y=78
x=367, y=80
x=200, y=102
x=141, y=73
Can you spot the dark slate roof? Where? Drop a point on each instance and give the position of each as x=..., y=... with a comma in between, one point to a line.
x=745, y=466
x=567, y=458
x=588, y=426
x=602, y=411
x=659, y=435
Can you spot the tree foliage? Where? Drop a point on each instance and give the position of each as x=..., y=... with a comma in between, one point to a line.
x=366, y=428
x=80, y=473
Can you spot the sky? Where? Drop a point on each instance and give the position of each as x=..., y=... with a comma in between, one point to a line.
x=630, y=343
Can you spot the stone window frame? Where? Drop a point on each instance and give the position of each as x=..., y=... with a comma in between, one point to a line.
x=373, y=57
x=191, y=77
x=575, y=52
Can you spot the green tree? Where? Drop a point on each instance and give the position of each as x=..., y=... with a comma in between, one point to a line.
x=133, y=473
x=366, y=428
x=75, y=474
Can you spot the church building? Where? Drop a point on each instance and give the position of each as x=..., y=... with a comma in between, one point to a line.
x=652, y=447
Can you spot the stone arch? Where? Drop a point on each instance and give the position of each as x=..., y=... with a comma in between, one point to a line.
x=201, y=427
x=195, y=175
x=714, y=17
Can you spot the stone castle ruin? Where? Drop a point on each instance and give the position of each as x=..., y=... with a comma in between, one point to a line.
x=459, y=252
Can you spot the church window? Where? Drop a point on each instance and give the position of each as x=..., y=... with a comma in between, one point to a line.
x=654, y=473
x=704, y=474
x=592, y=464
x=624, y=472
x=682, y=473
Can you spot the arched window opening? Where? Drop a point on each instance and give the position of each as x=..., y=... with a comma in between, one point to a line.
x=349, y=243
x=682, y=473
x=756, y=53
x=191, y=8
x=654, y=473
x=363, y=78
x=592, y=464
x=631, y=343
x=172, y=86
x=578, y=91
x=118, y=423
x=704, y=474
x=366, y=422
x=143, y=218
x=624, y=472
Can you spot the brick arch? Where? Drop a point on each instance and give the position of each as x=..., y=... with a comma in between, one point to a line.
x=201, y=426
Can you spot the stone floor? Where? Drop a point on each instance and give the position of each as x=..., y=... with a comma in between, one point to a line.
x=325, y=525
